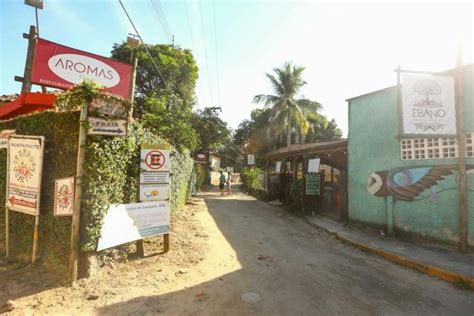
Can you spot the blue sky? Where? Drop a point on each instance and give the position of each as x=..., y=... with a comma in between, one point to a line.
x=348, y=48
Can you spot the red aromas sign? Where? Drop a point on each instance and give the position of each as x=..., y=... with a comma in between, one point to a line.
x=63, y=67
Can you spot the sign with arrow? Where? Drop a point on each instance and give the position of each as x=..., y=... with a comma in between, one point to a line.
x=100, y=126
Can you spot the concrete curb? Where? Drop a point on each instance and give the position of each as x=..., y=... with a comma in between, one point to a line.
x=430, y=270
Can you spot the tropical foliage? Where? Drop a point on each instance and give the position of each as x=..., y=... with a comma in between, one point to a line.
x=288, y=113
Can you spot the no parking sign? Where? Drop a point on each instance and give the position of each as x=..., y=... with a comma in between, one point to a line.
x=155, y=158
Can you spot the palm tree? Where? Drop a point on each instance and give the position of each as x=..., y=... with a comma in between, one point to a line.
x=288, y=113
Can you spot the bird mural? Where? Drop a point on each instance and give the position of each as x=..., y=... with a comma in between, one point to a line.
x=407, y=183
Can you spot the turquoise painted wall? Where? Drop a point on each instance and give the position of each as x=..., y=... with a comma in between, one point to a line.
x=373, y=146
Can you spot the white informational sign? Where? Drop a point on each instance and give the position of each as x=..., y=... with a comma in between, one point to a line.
x=278, y=166
x=250, y=160
x=63, y=196
x=155, y=158
x=154, y=192
x=4, y=137
x=24, y=173
x=124, y=223
x=230, y=169
x=428, y=105
x=107, y=108
x=100, y=126
x=313, y=165
x=154, y=177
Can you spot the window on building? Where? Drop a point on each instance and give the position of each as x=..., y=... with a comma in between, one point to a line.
x=434, y=148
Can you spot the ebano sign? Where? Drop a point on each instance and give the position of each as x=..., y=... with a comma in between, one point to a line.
x=63, y=67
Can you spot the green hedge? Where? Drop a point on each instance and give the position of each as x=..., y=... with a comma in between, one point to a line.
x=111, y=171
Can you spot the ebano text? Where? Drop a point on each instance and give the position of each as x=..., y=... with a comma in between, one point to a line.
x=430, y=113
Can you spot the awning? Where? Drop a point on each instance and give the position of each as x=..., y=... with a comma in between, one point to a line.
x=27, y=103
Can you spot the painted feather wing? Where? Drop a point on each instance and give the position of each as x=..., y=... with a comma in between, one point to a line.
x=408, y=183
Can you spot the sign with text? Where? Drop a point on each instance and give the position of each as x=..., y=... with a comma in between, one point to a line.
x=313, y=184
x=63, y=196
x=108, y=108
x=155, y=157
x=63, y=67
x=24, y=173
x=428, y=105
x=250, y=160
x=154, y=177
x=313, y=165
x=4, y=134
x=154, y=192
x=99, y=126
x=124, y=223
x=278, y=166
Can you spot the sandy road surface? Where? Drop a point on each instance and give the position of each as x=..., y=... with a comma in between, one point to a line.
x=224, y=247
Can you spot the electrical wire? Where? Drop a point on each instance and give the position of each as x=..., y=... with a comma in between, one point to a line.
x=205, y=54
x=217, y=55
x=144, y=45
x=162, y=20
x=160, y=9
x=158, y=18
x=189, y=24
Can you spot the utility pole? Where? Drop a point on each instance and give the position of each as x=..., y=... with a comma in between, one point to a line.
x=26, y=79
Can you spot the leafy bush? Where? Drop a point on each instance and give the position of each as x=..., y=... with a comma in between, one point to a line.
x=200, y=176
x=296, y=194
x=250, y=179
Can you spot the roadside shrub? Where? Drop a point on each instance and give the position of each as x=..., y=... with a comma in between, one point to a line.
x=250, y=179
x=200, y=176
x=296, y=195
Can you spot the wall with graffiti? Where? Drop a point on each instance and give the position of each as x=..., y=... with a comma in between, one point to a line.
x=423, y=193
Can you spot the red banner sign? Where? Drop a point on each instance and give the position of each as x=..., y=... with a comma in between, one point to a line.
x=63, y=67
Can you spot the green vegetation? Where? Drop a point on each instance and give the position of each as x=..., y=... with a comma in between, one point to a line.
x=288, y=115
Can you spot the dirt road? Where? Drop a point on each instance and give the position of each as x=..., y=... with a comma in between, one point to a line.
x=240, y=256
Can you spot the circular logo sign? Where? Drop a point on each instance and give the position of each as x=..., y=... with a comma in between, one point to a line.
x=155, y=159
x=75, y=68
x=24, y=165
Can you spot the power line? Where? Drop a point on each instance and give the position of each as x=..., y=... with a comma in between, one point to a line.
x=141, y=40
x=160, y=9
x=189, y=25
x=205, y=53
x=161, y=19
x=217, y=55
x=158, y=18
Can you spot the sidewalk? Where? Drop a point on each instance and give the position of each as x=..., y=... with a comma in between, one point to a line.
x=450, y=266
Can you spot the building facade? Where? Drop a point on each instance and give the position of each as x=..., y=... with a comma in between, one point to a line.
x=424, y=202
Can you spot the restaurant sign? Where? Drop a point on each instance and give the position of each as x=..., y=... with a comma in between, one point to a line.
x=25, y=166
x=428, y=105
x=63, y=67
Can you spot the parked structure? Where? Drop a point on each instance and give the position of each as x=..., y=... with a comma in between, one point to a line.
x=286, y=165
x=408, y=185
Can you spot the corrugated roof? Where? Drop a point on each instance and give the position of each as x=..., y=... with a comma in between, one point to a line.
x=8, y=97
x=298, y=149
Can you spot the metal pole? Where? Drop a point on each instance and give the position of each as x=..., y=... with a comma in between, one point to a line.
x=33, y=35
x=76, y=214
x=37, y=23
x=133, y=79
x=462, y=153
x=7, y=218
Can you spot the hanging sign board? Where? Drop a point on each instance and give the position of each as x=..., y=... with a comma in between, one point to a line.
x=154, y=177
x=428, y=105
x=313, y=184
x=278, y=166
x=155, y=157
x=4, y=134
x=107, y=108
x=313, y=165
x=25, y=166
x=124, y=223
x=99, y=126
x=63, y=196
x=154, y=192
x=250, y=160
x=62, y=67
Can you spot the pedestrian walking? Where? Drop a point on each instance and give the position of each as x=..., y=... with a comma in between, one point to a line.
x=229, y=183
x=221, y=182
